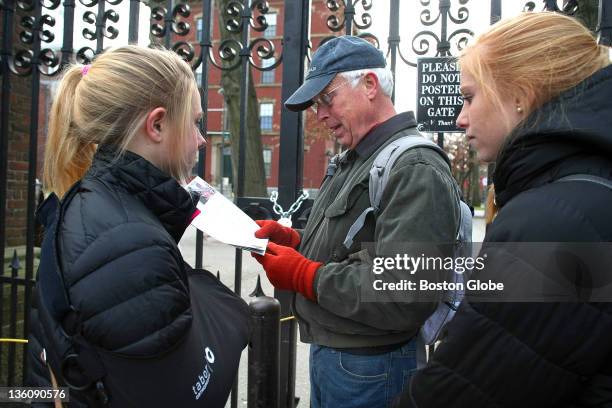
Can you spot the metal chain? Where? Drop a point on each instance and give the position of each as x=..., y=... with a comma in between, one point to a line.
x=294, y=207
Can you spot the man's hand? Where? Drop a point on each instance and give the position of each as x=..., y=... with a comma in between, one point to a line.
x=287, y=269
x=277, y=233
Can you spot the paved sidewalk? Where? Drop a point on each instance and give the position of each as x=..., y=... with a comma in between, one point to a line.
x=220, y=257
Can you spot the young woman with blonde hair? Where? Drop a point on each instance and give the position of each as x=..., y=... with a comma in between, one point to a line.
x=121, y=318
x=538, y=102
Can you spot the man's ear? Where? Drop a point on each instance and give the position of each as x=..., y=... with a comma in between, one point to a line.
x=155, y=123
x=372, y=85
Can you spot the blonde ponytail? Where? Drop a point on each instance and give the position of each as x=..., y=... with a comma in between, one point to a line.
x=67, y=154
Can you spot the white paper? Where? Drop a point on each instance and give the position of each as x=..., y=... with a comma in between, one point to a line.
x=223, y=221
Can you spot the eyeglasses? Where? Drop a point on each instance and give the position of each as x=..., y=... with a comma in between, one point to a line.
x=325, y=99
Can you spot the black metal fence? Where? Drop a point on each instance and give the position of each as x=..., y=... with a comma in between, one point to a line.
x=27, y=60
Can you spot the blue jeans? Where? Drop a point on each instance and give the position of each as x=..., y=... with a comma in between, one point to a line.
x=343, y=380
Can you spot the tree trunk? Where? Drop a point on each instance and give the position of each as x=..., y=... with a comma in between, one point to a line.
x=255, y=179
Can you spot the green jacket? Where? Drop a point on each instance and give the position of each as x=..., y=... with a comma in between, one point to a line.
x=419, y=204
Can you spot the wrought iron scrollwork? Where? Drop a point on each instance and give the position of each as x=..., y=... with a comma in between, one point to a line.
x=237, y=18
x=365, y=17
x=36, y=25
x=569, y=7
x=110, y=32
x=157, y=14
x=265, y=50
x=344, y=15
x=100, y=24
x=337, y=23
x=423, y=42
x=184, y=50
x=228, y=52
x=89, y=17
x=174, y=21
x=263, y=8
x=426, y=18
x=529, y=6
x=21, y=62
x=234, y=12
x=85, y=55
x=178, y=25
x=463, y=13
x=112, y=16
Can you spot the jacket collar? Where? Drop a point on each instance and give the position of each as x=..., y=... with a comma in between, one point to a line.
x=381, y=133
x=159, y=192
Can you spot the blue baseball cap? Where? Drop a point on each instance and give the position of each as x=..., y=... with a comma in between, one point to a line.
x=340, y=54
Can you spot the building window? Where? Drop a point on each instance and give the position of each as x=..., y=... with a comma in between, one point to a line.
x=265, y=115
x=267, y=160
x=199, y=26
x=267, y=77
x=271, y=21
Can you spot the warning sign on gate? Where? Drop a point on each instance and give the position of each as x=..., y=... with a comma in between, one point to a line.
x=439, y=99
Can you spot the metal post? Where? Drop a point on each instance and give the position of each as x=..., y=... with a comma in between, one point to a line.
x=443, y=46
x=32, y=166
x=100, y=27
x=394, y=39
x=349, y=15
x=295, y=43
x=245, y=53
x=496, y=15
x=264, y=353
x=205, y=45
x=15, y=266
x=67, y=46
x=168, y=24
x=7, y=26
x=496, y=11
x=604, y=23
x=133, y=27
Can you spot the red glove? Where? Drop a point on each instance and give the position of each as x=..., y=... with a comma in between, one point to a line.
x=288, y=269
x=277, y=233
x=195, y=214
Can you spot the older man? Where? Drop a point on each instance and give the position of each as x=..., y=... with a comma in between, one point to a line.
x=362, y=351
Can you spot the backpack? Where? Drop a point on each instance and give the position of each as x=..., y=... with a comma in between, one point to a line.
x=379, y=176
x=198, y=371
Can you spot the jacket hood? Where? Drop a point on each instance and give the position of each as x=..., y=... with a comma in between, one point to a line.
x=158, y=191
x=574, y=129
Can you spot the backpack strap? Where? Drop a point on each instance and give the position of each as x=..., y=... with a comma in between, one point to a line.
x=380, y=172
x=332, y=166
x=588, y=178
x=75, y=363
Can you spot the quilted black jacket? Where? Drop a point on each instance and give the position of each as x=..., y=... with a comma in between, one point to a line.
x=121, y=264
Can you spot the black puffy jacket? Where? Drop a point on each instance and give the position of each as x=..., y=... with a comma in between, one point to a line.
x=123, y=272
x=537, y=354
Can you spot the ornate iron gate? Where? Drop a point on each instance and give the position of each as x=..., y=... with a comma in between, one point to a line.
x=27, y=61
